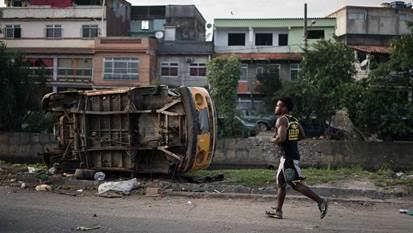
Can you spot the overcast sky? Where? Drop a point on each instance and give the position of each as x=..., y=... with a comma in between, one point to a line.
x=211, y=9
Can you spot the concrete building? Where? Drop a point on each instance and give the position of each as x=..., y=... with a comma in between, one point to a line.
x=183, y=53
x=60, y=35
x=369, y=30
x=266, y=41
x=124, y=62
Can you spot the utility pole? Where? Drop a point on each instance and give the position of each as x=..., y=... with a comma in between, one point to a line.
x=305, y=26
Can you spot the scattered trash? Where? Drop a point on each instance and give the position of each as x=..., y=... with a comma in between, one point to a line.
x=12, y=180
x=43, y=187
x=406, y=211
x=216, y=191
x=120, y=186
x=23, y=185
x=84, y=174
x=94, y=215
x=189, y=202
x=260, y=189
x=32, y=169
x=151, y=192
x=42, y=175
x=81, y=228
x=99, y=176
x=52, y=170
x=399, y=174
x=79, y=190
x=67, y=175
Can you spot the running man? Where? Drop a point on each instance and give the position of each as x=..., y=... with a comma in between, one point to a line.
x=287, y=133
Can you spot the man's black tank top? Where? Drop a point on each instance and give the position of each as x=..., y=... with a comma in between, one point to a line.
x=289, y=148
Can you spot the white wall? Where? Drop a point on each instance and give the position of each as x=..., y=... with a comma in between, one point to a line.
x=37, y=29
x=47, y=12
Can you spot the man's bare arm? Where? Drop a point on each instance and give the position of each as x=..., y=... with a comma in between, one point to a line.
x=281, y=133
x=302, y=133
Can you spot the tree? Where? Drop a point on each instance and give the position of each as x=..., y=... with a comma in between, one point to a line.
x=269, y=84
x=223, y=76
x=381, y=105
x=325, y=68
x=20, y=92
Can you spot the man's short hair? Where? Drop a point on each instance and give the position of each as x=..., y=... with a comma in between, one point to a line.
x=287, y=101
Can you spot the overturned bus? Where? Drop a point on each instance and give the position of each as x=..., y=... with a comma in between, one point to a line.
x=149, y=129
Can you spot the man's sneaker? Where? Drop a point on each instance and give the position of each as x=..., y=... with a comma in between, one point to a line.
x=274, y=213
x=323, y=207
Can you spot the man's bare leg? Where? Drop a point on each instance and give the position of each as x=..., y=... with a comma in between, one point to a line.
x=280, y=197
x=306, y=191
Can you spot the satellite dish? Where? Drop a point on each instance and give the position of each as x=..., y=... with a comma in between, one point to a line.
x=209, y=25
x=159, y=34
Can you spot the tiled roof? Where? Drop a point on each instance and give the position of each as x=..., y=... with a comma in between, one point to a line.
x=185, y=48
x=371, y=49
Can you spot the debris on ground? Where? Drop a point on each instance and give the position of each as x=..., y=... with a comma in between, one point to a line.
x=99, y=176
x=32, y=169
x=84, y=174
x=43, y=187
x=152, y=192
x=406, y=211
x=203, y=179
x=52, y=171
x=81, y=228
x=123, y=187
x=22, y=185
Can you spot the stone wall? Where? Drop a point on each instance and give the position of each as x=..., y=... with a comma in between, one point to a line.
x=259, y=152
x=250, y=152
x=24, y=147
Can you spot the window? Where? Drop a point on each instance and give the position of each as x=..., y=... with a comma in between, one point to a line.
x=294, y=70
x=53, y=31
x=315, y=34
x=244, y=72
x=13, y=31
x=282, y=39
x=261, y=68
x=40, y=66
x=236, y=39
x=145, y=24
x=263, y=39
x=169, y=69
x=16, y=3
x=74, y=68
x=197, y=69
x=121, y=68
x=89, y=31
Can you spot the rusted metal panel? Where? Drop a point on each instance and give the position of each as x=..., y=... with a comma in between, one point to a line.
x=149, y=129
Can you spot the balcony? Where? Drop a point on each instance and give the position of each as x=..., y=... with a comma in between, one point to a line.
x=42, y=12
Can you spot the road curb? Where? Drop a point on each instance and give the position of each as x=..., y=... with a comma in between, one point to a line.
x=264, y=197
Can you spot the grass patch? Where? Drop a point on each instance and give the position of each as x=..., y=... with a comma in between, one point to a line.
x=266, y=177
x=18, y=167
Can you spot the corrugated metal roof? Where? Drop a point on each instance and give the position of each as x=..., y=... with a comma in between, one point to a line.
x=185, y=48
x=265, y=56
x=272, y=22
x=371, y=49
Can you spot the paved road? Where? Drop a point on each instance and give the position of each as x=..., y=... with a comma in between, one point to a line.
x=29, y=211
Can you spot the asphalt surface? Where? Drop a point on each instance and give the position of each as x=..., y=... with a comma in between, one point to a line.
x=30, y=211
